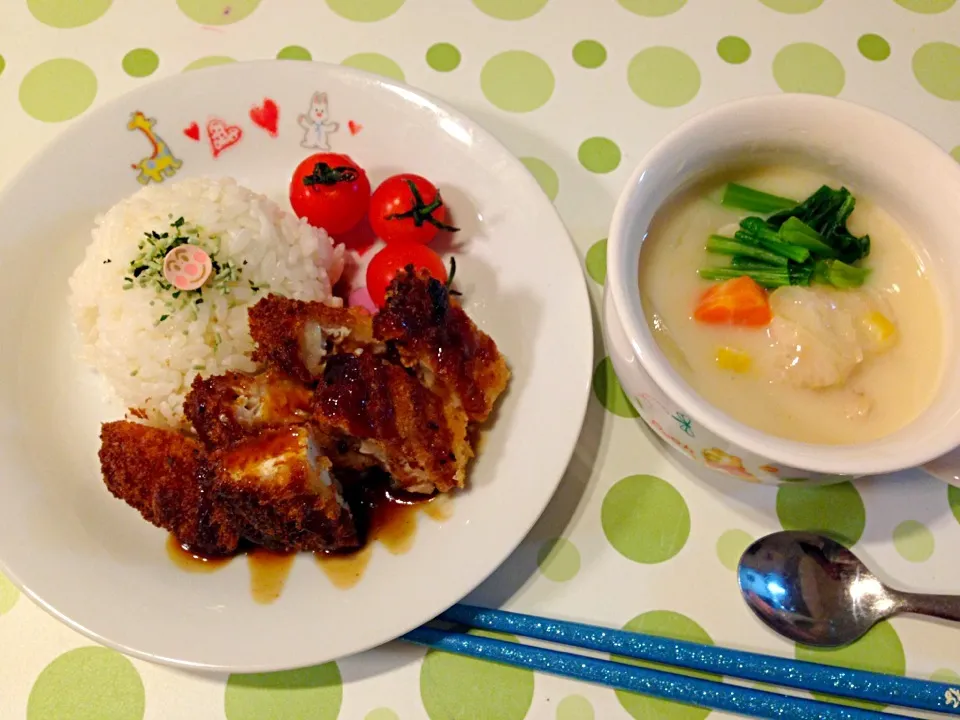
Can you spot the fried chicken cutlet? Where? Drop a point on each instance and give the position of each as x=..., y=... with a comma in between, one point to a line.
x=273, y=489
x=281, y=487
x=225, y=409
x=434, y=336
x=168, y=478
x=296, y=336
x=417, y=438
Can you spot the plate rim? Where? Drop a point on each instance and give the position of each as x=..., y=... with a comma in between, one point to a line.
x=580, y=289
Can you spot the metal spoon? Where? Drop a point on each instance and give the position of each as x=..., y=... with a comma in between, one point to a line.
x=814, y=591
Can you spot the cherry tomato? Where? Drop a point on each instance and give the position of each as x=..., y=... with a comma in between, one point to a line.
x=331, y=191
x=385, y=265
x=407, y=208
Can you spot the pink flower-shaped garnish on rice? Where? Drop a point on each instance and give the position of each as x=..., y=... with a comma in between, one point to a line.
x=187, y=267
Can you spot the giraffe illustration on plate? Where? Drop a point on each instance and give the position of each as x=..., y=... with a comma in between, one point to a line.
x=161, y=163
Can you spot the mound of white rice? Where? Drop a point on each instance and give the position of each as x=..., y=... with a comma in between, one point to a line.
x=148, y=343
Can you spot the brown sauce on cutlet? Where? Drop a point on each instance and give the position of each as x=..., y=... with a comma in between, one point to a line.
x=190, y=561
x=268, y=444
x=383, y=514
x=345, y=570
x=440, y=508
x=268, y=574
x=390, y=518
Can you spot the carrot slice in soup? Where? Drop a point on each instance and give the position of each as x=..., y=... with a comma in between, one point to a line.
x=740, y=301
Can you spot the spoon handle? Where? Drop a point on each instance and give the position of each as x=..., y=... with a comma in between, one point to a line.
x=946, y=607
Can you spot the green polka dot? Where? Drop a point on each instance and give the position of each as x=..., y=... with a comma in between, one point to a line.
x=596, y=261
x=58, y=90
x=443, y=57
x=589, y=54
x=68, y=13
x=834, y=510
x=140, y=62
x=645, y=519
x=653, y=8
x=8, y=595
x=599, y=154
x=208, y=61
x=663, y=76
x=217, y=12
x=927, y=7
x=575, y=707
x=873, y=47
x=945, y=675
x=89, y=683
x=382, y=714
x=879, y=650
x=607, y=388
x=517, y=81
x=955, y=153
x=510, y=9
x=734, y=50
x=953, y=497
x=794, y=7
x=3, y=64
x=730, y=547
x=365, y=10
x=808, y=68
x=913, y=540
x=676, y=627
x=375, y=63
x=453, y=686
x=294, y=52
x=937, y=67
x=559, y=560
x=313, y=693
x=544, y=174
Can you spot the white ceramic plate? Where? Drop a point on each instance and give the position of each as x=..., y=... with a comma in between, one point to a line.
x=91, y=560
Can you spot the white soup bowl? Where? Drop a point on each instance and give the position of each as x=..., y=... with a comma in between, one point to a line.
x=897, y=167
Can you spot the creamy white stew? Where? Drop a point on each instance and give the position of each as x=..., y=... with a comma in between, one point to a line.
x=831, y=365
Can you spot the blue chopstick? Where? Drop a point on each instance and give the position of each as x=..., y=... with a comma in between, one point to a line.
x=797, y=674
x=657, y=683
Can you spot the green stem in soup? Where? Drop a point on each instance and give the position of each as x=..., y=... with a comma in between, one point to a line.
x=796, y=232
x=745, y=198
x=769, y=277
x=799, y=274
x=722, y=245
x=844, y=276
x=754, y=231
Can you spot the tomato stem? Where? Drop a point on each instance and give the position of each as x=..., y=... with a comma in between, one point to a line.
x=421, y=212
x=323, y=174
x=450, y=276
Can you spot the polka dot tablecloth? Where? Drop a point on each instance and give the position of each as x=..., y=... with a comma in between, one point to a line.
x=579, y=89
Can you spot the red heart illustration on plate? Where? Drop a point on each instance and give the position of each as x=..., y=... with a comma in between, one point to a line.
x=354, y=127
x=266, y=116
x=192, y=131
x=222, y=136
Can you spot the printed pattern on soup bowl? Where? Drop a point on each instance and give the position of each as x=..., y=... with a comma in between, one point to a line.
x=892, y=165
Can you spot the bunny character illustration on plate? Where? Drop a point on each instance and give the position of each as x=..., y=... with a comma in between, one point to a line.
x=316, y=123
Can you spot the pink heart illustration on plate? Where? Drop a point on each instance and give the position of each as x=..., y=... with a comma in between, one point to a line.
x=222, y=136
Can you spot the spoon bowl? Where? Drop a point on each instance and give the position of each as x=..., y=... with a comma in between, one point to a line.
x=814, y=591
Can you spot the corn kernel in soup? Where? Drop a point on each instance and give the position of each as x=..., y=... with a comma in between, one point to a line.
x=833, y=366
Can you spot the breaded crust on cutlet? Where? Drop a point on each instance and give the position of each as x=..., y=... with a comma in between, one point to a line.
x=280, y=328
x=281, y=487
x=430, y=330
x=165, y=476
x=224, y=409
x=421, y=442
